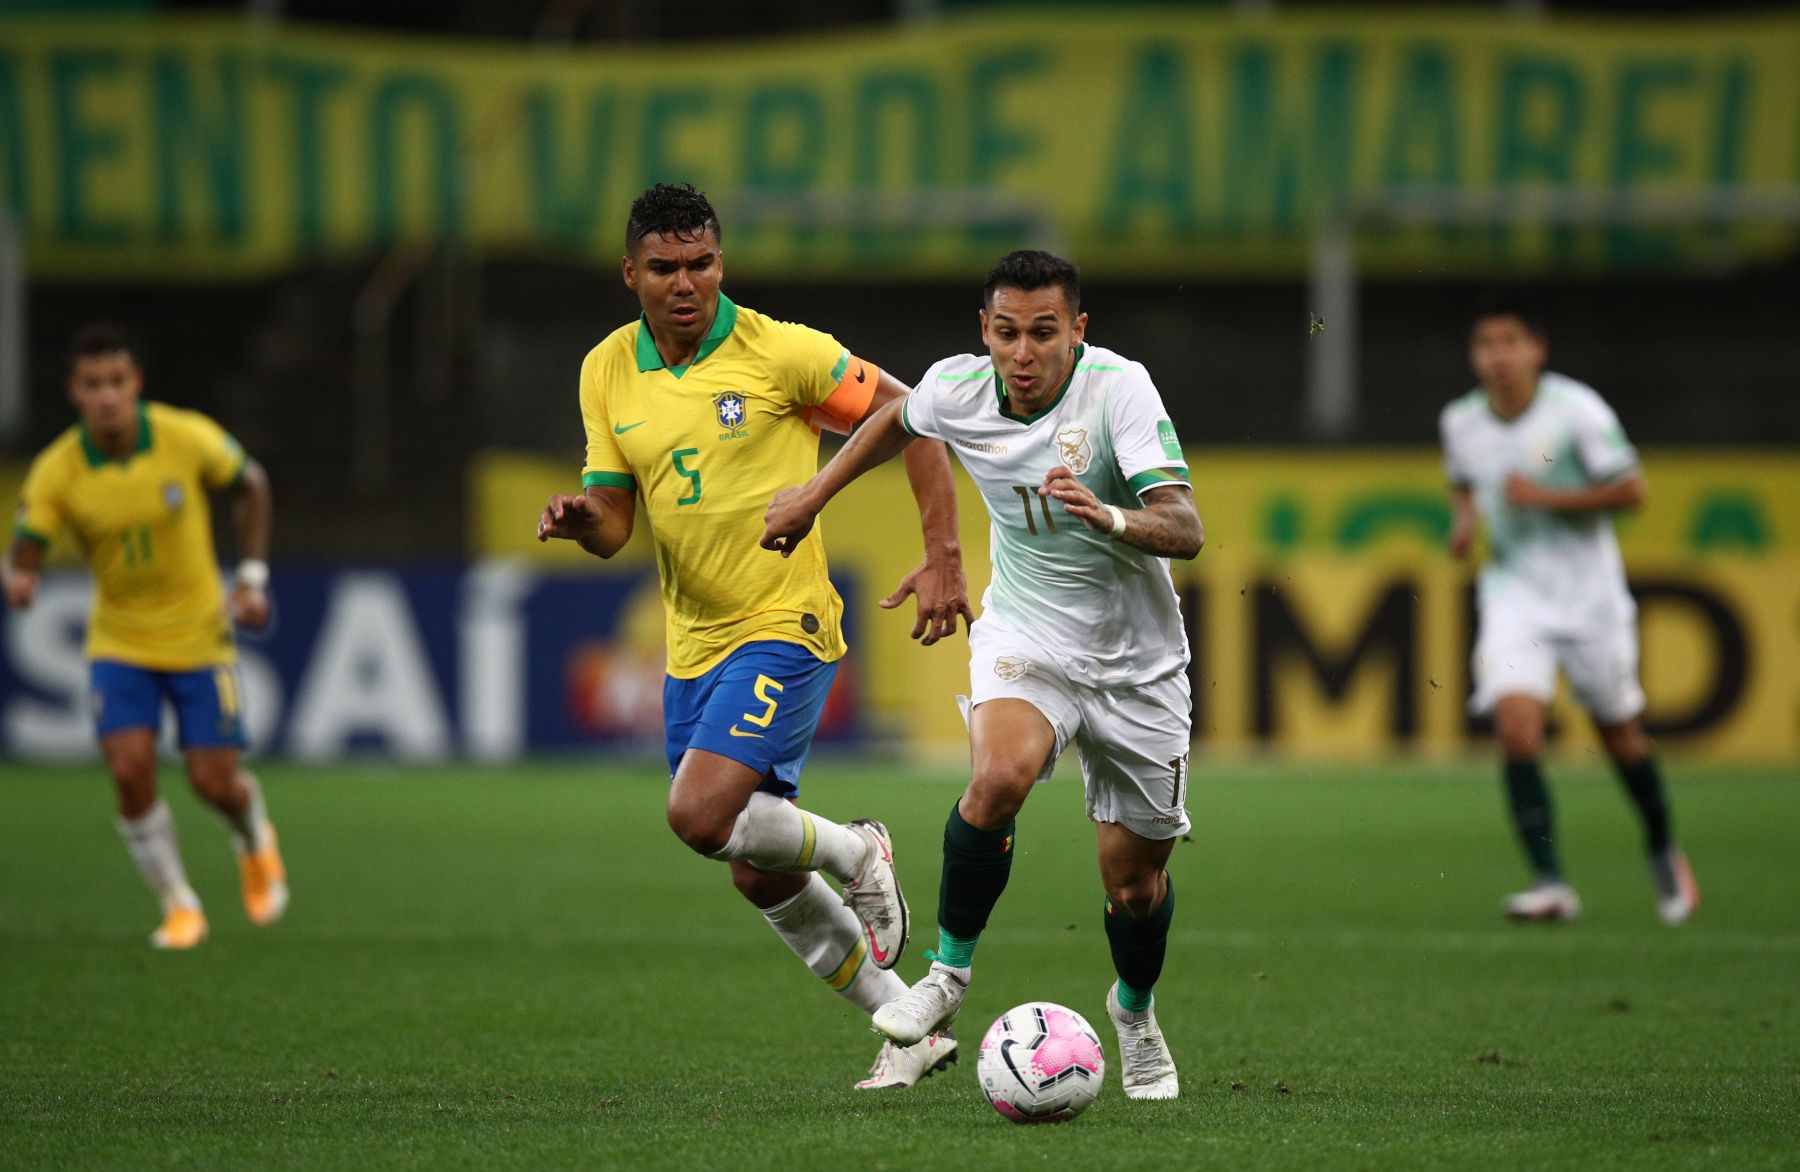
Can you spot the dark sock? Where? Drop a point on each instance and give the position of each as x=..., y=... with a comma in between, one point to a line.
x=976, y=866
x=1643, y=781
x=1138, y=946
x=1531, y=815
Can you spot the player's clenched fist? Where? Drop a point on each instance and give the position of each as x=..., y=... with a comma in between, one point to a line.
x=789, y=519
x=568, y=515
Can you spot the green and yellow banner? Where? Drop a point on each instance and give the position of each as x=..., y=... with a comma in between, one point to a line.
x=1325, y=617
x=1141, y=141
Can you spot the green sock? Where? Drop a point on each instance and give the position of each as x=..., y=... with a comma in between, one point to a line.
x=1138, y=948
x=956, y=951
x=1643, y=781
x=1134, y=1000
x=1529, y=799
x=977, y=863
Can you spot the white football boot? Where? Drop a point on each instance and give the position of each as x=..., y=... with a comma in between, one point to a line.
x=1677, y=895
x=874, y=895
x=897, y=1067
x=1548, y=899
x=927, y=1008
x=1146, y=1067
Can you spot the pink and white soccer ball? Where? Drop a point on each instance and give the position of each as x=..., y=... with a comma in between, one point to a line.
x=1041, y=1063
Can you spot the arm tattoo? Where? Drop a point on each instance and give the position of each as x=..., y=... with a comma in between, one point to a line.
x=1167, y=525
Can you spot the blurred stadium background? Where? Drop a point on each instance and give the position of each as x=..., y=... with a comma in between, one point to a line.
x=375, y=240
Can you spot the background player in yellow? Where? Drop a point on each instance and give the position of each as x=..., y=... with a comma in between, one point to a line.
x=129, y=484
x=705, y=409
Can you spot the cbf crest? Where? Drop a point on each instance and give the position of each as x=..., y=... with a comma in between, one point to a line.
x=729, y=407
x=1072, y=445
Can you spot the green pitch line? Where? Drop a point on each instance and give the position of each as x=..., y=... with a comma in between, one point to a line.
x=521, y=967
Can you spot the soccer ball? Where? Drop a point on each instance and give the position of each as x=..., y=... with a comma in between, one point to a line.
x=1041, y=1063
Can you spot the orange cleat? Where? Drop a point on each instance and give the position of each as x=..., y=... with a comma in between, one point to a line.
x=265, y=881
x=183, y=926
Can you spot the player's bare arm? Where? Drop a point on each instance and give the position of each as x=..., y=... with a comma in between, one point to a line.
x=252, y=518
x=938, y=582
x=1462, y=520
x=1167, y=525
x=20, y=570
x=599, y=520
x=1624, y=494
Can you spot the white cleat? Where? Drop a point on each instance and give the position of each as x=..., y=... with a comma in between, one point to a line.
x=897, y=1067
x=1677, y=895
x=874, y=895
x=1146, y=1067
x=1549, y=900
x=927, y=1008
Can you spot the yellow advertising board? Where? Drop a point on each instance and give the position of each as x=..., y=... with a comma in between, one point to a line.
x=1143, y=141
x=1325, y=618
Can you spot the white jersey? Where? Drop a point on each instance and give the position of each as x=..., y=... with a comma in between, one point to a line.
x=1563, y=570
x=1106, y=611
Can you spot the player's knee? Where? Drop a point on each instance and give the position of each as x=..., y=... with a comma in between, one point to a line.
x=998, y=787
x=1520, y=730
x=995, y=798
x=1136, y=895
x=704, y=830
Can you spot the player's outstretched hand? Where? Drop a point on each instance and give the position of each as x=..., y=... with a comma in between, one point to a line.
x=568, y=515
x=249, y=606
x=943, y=594
x=21, y=588
x=789, y=519
x=1077, y=499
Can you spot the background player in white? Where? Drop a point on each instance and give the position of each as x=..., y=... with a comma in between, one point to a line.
x=1080, y=637
x=1542, y=461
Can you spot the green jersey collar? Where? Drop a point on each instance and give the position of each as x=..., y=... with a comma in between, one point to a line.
x=96, y=457
x=1000, y=392
x=648, y=358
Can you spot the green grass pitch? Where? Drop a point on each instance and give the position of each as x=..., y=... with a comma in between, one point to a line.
x=522, y=968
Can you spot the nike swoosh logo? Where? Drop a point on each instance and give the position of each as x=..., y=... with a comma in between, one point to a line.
x=737, y=733
x=862, y=373
x=621, y=429
x=1006, y=1057
x=875, y=949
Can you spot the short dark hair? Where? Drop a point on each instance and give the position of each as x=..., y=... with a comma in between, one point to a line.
x=97, y=338
x=670, y=209
x=1030, y=269
x=1509, y=304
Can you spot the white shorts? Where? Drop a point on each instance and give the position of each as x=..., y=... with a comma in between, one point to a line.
x=1133, y=741
x=1515, y=654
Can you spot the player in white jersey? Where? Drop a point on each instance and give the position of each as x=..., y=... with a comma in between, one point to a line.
x=1080, y=637
x=1542, y=461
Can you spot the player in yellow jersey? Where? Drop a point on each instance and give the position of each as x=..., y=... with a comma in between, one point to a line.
x=704, y=409
x=129, y=484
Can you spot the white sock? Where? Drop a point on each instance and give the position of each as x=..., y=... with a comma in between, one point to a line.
x=151, y=841
x=246, y=825
x=775, y=835
x=828, y=937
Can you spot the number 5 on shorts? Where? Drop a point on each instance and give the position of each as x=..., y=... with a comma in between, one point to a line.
x=764, y=685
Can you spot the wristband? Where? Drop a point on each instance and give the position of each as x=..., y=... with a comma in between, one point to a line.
x=1118, y=519
x=254, y=573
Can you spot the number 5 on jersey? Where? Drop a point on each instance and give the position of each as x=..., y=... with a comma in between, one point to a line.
x=693, y=475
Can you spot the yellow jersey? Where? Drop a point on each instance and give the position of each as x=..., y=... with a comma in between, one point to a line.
x=706, y=446
x=144, y=523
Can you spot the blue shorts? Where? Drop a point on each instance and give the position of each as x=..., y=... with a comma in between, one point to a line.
x=760, y=705
x=208, y=702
